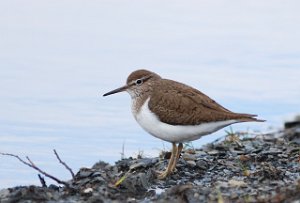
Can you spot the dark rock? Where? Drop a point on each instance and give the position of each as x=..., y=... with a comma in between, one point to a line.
x=84, y=173
x=100, y=165
x=291, y=124
x=54, y=187
x=145, y=163
x=30, y=194
x=202, y=164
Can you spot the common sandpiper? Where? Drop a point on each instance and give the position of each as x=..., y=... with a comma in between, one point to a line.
x=175, y=112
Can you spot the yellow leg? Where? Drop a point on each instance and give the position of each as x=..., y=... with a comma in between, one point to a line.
x=178, y=151
x=167, y=172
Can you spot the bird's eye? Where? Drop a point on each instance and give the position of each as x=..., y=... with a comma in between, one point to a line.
x=138, y=81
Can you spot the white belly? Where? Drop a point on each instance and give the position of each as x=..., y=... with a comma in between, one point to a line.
x=175, y=133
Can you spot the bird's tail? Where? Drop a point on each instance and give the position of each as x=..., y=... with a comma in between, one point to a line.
x=249, y=118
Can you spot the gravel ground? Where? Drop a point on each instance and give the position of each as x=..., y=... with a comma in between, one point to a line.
x=239, y=168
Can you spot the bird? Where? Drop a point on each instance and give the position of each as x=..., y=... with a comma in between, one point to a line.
x=175, y=112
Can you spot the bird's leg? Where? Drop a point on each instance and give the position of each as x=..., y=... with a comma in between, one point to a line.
x=167, y=172
x=178, y=151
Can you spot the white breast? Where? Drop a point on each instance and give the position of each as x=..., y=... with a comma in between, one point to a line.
x=175, y=133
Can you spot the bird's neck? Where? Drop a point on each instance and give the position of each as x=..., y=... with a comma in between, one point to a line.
x=137, y=103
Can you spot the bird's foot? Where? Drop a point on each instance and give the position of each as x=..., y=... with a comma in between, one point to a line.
x=162, y=174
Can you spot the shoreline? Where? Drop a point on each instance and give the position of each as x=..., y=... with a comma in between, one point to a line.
x=241, y=168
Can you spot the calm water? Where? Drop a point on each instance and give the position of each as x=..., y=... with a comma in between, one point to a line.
x=57, y=58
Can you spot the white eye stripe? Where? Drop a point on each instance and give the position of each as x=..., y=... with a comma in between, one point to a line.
x=139, y=81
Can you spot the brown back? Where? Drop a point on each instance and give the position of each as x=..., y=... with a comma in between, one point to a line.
x=178, y=104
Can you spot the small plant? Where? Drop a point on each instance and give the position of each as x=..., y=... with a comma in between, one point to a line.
x=244, y=168
x=188, y=146
x=231, y=136
x=140, y=154
x=123, y=151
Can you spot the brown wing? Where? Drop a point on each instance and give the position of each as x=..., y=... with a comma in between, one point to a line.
x=176, y=103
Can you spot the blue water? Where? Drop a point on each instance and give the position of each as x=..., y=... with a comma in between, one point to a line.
x=58, y=58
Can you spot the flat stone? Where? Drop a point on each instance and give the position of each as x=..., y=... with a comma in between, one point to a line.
x=202, y=164
x=236, y=183
x=191, y=163
x=146, y=162
x=88, y=190
x=188, y=157
x=84, y=173
x=213, y=152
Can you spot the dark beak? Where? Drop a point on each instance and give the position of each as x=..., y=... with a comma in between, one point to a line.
x=121, y=89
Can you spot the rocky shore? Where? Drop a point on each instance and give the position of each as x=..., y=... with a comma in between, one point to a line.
x=241, y=167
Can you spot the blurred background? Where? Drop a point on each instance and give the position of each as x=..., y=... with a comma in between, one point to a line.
x=57, y=59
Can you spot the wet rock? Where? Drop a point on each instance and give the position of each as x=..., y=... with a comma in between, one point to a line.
x=213, y=152
x=291, y=124
x=202, y=164
x=189, y=157
x=191, y=163
x=236, y=152
x=84, y=173
x=272, y=151
x=124, y=164
x=29, y=194
x=101, y=165
x=200, y=154
x=54, y=187
x=145, y=163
